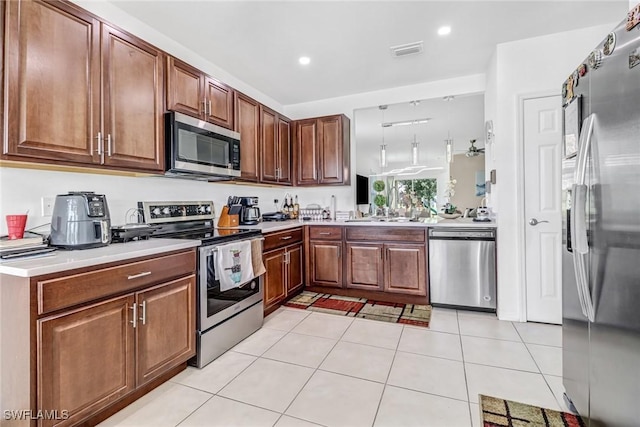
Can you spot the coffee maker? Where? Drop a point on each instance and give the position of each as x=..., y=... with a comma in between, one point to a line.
x=250, y=213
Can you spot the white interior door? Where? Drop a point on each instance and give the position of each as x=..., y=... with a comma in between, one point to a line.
x=543, y=225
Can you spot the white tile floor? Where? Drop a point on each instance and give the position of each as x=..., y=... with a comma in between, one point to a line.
x=309, y=369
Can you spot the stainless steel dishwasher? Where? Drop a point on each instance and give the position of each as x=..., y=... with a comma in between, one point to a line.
x=462, y=267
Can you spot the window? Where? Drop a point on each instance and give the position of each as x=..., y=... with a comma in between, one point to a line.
x=415, y=193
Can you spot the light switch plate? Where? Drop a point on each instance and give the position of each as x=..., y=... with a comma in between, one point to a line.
x=47, y=205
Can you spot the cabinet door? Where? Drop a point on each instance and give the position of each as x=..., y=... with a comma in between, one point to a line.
x=219, y=98
x=364, y=266
x=405, y=269
x=133, y=101
x=274, y=278
x=247, y=122
x=184, y=88
x=284, y=151
x=166, y=327
x=330, y=150
x=326, y=263
x=269, y=145
x=294, y=268
x=306, y=152
x=85, y=359
x=53, y=82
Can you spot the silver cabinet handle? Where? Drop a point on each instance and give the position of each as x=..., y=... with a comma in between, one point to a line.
x=136, y=276
x=286, y=238
x=109, y=143
x=204, y=107
x=134, y=317
x=209, y=107
x=535, y=222
x=99, y=138
x=144, y=312
x=325, y=233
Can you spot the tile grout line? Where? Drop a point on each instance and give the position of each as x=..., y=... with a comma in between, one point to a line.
x=464, y=369
x=540, y=371
x=316, y=369
x=386, y=381
x=192, y=412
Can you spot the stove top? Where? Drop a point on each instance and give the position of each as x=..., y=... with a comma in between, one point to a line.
x=189, y=220
x=210, y=235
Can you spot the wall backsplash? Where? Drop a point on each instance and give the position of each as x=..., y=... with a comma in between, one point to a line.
x=23, y=189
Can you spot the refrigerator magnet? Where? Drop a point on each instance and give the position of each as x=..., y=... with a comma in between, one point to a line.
x=609, y=44
x=633, y=18
x=571, y=127
x=634, y=58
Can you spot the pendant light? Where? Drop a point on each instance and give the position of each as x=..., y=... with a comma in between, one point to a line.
x=415, y=144
x=449, y=140
x=383, y=146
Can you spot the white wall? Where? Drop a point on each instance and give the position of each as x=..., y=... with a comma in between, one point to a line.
x=22, y=190
x=536, y=66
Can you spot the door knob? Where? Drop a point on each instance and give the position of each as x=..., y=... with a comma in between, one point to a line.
x=534, y=221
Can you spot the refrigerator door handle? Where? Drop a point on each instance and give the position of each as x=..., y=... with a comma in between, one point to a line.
x=578, y=220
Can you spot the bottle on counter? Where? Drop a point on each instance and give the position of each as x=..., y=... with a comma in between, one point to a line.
x=296, y=208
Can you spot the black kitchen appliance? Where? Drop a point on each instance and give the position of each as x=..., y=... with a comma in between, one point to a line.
x=275, y=216
x=224, y=318
x=250, y=214
x=80, y=220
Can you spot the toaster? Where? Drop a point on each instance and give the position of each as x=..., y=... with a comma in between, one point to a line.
x=80, y=220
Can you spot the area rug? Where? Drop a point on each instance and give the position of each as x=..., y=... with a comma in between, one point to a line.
x=498, y=412
x=410, y=314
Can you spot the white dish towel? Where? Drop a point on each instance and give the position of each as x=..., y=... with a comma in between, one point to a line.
x=233, y=265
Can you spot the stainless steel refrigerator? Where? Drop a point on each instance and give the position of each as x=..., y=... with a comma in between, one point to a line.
x=601, y=231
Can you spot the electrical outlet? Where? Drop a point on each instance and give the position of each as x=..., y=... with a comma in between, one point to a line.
x=47, y=205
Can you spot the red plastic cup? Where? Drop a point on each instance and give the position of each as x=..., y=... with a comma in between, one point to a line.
x=15, y=226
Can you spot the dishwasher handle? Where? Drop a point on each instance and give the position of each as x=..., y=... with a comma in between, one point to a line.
x=459, y=234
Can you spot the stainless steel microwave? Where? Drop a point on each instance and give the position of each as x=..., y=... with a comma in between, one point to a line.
x=200, y=150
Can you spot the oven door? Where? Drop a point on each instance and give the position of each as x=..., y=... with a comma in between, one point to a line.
x=216, y=306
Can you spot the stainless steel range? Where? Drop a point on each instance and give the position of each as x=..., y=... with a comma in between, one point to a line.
x=224, y=317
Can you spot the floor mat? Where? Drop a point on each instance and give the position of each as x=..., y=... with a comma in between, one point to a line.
x=496, y=412
x=411, y=314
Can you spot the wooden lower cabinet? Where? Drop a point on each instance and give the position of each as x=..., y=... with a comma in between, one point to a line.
x=325, y=263
x=284, y=273
x=86, y=359
x=405, y=269
x=93, y=354
x=364, y=266
x=274, y=278
x=166, y=325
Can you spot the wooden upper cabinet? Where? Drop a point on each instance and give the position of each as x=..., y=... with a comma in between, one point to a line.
x=133, y=101
x=184, y=88
x=323, y=151
x=60, y=60
x=192, y=92
x=86, y=359
x=52, y=97
x=219, y=103
x=284, y=151
x=269, y=145
x=306, y=152
x=275, y=148
x=247, y=123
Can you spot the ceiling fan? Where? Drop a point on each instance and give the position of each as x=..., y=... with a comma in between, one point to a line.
x=474, y=151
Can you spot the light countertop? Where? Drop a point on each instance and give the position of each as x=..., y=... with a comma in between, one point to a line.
x=63, y=260
x=272, y=226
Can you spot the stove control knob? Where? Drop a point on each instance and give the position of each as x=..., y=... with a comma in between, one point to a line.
x=156, y=211
x=202, y=209
x=166, y=211
x=208, y=209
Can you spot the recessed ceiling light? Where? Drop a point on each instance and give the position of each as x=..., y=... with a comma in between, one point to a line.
x=304, y=60
x=443, y=31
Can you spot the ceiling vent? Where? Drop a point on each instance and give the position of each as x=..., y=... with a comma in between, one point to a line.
x=406, y=49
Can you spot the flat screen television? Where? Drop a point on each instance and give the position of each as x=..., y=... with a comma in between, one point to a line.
x=362, y=190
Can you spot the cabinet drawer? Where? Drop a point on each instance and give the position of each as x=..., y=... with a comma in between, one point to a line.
x=386, y=234
x=61, y=292
x=282, y=238
x=325, y=233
